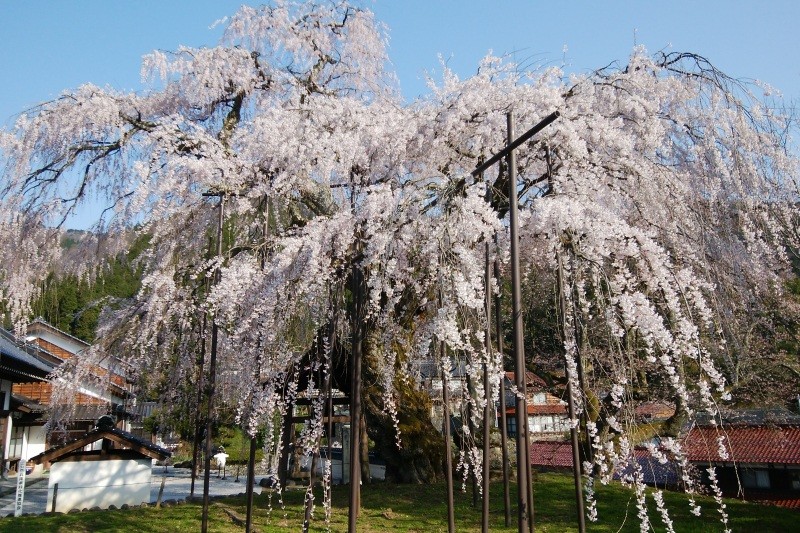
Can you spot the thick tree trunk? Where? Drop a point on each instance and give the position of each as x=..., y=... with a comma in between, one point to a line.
x=420, y=458
x=364, y=448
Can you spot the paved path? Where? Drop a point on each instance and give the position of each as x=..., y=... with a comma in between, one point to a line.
x=176, y=487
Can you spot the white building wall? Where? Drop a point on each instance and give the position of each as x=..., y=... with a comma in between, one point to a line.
x=5, y=388
x=36, y=440
x=35, y=435
x=87, y=484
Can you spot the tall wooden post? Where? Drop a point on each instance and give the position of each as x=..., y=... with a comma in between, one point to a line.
x=576, y=458
x=448, y=457
x=355, y=401
x=198, y=428
x=251, y=478
x=525, y=493
x=523, y=460
x=212, y=372
x=251, y=459
x=487, y=409
x=498, y=326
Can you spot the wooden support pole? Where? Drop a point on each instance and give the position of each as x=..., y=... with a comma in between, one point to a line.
x=487, y=390
x=55, y=497
x=251, y=478
x=355, y=403
x=576, y=457
x=523, y=460
x=498, y=326
x=212, y=371
x=448, y=457
x=198, y=428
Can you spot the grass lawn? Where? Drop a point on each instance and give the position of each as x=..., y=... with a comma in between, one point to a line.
x=416, y=508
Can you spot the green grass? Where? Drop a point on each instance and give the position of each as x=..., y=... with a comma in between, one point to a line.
x=417, y=508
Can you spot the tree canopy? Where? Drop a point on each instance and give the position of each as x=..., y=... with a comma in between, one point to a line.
x=665, y=197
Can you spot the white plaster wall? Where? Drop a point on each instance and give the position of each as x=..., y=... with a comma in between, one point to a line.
x=36, y=440
x=5, y=386
x=87, y=484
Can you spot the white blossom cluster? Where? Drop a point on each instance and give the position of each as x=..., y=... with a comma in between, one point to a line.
x=659, y=184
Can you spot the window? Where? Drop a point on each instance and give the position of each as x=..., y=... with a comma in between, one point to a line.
x=795, y=477
x=755, y=479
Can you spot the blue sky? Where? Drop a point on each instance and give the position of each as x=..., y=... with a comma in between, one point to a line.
x=49, y=46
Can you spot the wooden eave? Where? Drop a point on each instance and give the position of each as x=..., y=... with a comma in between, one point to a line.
x=114, y=435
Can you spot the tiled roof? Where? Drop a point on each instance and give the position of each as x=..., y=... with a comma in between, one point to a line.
x=552, y=454
x=653, y=471
x=121, y=438
x=39, y=321
x=789, y=500
x=20, y=359
x=750, y=417
x=745, y=444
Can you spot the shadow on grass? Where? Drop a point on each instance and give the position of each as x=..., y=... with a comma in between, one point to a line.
x=417, y=508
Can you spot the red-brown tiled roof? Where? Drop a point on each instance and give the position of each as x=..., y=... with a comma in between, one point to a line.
x=748, y=444
x=552, y=454
x=786, y=499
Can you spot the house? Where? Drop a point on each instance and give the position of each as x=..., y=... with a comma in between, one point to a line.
x=85, y=475
x=19, y=364
x=430, y=376
x=548, y=415
x=106, y=393
x=756, y=454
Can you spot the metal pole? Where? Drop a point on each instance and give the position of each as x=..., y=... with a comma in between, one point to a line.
x=285, y=445
x=503, y=420
x=487, y=413
x=316, y=454
x=251, y=477
x=212, y=370
x=514, y=143
x=472, y=430
x=355, y=405
x=576, y=458
x=523, y=479
x=198, y=428
x=329, y=390
x=529, y=483
x=251, y=459
x=576, y=463
x=448, y=458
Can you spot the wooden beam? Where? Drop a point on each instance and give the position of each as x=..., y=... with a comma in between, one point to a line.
x=56, y=453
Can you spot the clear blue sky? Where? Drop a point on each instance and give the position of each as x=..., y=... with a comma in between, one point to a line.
x=49, y=46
